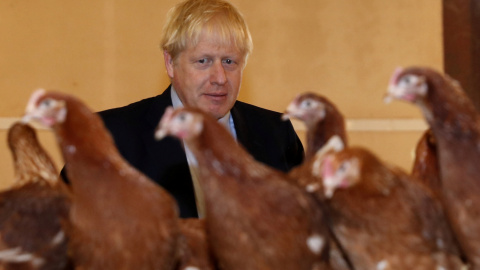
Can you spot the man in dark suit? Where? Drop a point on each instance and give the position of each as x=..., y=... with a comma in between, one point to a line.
x=206, y=44
x=262, y=132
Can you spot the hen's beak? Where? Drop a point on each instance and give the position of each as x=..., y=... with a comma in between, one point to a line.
x=392, y=87
x=285, y=116
x=31, y=105
x=26, y=119
x=160, y=132
x=162, y=129
x=289, y=112
x=388, y=98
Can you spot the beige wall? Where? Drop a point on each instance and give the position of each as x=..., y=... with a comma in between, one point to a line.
x=107, y=53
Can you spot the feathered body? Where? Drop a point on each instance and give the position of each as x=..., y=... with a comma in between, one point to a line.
x=120, y=218
x=382, y=218
x=456, y=126
x=194, y=248
x=34, y=211
x=255, y=219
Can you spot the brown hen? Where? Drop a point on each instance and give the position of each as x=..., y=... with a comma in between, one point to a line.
x=325, y=130
x=120, y=218
x=34, y=210
x=255, y=219
x=382, y=218
x=456, y=126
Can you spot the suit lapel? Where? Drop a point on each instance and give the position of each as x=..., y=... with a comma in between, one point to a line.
x=166, y=161
x=246, y=134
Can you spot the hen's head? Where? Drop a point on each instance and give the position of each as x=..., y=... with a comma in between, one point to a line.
x=355, y=168
x=408, y=85
x=46, y=108
x=182, y=123
x=308, y=107
x=338, y=170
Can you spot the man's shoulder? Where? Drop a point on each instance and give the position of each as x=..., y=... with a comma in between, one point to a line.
x=145, y=108
x=250, y=110
x=248, y=116
x=131, y=110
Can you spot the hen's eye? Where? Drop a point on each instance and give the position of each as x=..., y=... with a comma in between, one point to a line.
x=46, y=103
x=182, y=117
x=306, y=103
x=408, y=79
x=343, y=167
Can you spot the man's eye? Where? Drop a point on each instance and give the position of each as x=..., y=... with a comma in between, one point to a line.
x=202, y=61
x=228, y=61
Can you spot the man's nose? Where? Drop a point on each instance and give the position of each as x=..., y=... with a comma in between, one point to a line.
x=218, y=75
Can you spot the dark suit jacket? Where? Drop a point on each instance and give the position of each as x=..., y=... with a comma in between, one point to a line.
x=262, y=132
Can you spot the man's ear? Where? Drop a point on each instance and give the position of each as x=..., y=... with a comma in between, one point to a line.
x=168, y=63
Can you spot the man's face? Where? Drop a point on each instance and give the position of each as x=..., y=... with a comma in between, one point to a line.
x=207, y=76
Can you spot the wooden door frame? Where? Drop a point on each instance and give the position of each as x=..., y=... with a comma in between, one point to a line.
x=461, y=43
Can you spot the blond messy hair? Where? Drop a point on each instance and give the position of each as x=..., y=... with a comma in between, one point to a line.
x=186, y=20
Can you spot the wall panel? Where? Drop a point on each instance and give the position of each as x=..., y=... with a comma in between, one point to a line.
x=107, y=53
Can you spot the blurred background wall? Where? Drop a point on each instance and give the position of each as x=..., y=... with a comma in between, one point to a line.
x=107, y=53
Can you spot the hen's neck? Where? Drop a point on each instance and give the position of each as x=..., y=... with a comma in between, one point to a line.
x=452, y=112
x=85, y=142
x=319, y=133
x=217, y=150
x=34, y=166
x=316, y=138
